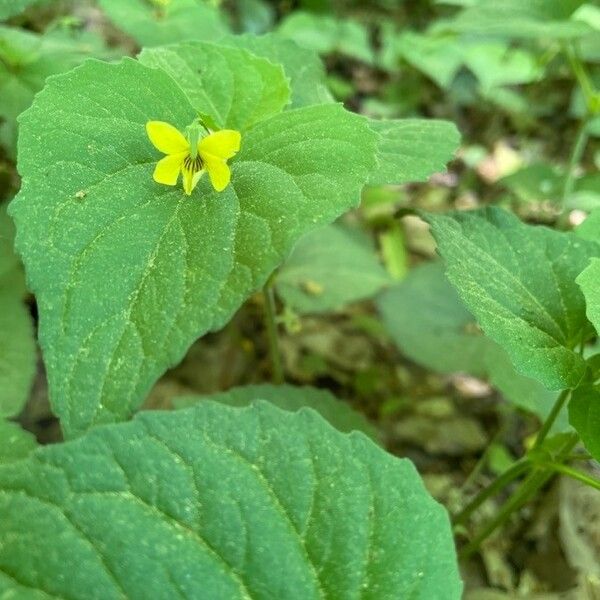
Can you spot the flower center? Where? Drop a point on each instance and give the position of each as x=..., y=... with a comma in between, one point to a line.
x=192, y=165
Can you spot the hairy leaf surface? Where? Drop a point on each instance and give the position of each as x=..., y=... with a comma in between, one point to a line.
x=222, y=503
x=128, y=272
x=519, y=282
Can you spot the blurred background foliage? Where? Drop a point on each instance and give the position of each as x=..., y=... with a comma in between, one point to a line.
x=365, y=310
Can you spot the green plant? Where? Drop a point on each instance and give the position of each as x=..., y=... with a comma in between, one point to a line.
x=162, y=195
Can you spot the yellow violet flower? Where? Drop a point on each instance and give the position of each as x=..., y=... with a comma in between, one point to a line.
x=194, y=155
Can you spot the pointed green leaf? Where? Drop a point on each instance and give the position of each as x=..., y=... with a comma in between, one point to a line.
x=302, y=66
x=127, y=272
x=222, y=503
x=412, y=150
x=519, y=282
x=430, y=324
x=339, y=414
x=584, y=415
x=236, y=88
x=155, y=22
x=329, y=269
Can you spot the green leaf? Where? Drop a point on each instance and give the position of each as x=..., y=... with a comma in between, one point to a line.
x=222, y=503
x=339, y=414
x=440, y=58
x=329, y=269
x=411, y=150
x=153, y=23
x=326, y=35
x=590, y=228
x=519, y=282
x=302, y=66
x=17, y=345
x=27, y=59
x=494, y=64
x=128, y=273
x=11, y=273
x=589, y=282
x=430, y=324
x=524, y=392
x=518, y=19
x=15, y=444
x=17, y=352
x=584, y=415
x=231, y=85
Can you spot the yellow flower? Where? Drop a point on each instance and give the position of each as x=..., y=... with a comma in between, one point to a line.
x=210, y=155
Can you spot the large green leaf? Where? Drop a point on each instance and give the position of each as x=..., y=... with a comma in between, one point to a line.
x=584, y=414
x=128, y=272
x=430, y=324
x=27, y=59
x=222, y=503
x=292, y=398
x=231, y=85
x=518, y=19
x=302, y=66
x=519, y=282
x=413, y=149
x=329, y=269
x=155, y=22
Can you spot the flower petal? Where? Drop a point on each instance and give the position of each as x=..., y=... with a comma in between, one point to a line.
x=168, y=168
x=190, y=180
x=166, y=138
x=221, y=144
x=218, y=171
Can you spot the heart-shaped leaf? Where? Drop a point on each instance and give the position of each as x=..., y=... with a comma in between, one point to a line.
x=222, y=503
x=127, y=272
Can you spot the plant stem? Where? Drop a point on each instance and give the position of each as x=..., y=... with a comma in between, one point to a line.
x=530, y=485
x=533, y=482
x=500, y=482
x=575, y=474
x=551, y=418
x=576, y=154
x=583, y=79
x=271, y=325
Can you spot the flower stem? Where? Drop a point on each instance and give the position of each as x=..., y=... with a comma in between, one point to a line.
x=536, y=479
x=576, y=154
x=551, y=418
x=530, y=485
x=272, y=337
x=499, y=483
x=575, y=474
